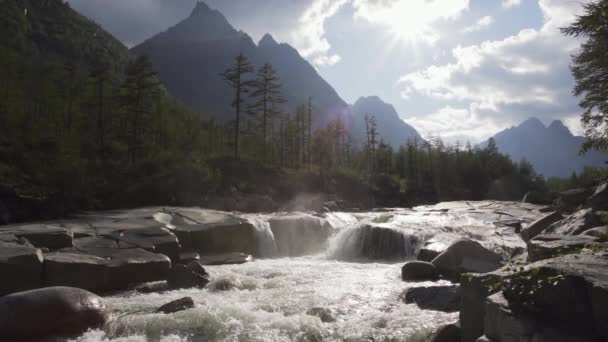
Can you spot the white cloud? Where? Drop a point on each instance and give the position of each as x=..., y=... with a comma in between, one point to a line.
x=510, y=3
x=523, y=75
x=480, y=24
x=309, y=38
x=409, y=20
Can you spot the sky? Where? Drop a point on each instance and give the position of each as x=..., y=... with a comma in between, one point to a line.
x=458, y=69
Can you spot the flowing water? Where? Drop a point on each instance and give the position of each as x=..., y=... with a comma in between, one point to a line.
x=279, y=298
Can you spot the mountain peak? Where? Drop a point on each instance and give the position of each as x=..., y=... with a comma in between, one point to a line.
x=559, y=126
x=201, y=7
x=534, y=123
x=267, y=40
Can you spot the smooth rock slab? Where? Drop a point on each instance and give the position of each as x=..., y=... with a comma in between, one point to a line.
x=20, y=268
x=49, y=312
x=538, y=226
x=49, y=236
x=576, y=223
x=550, y=246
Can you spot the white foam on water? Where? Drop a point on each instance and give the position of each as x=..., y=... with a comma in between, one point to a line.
x=269, y=301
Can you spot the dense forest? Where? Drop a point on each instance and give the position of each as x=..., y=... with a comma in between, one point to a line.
x=87, y=126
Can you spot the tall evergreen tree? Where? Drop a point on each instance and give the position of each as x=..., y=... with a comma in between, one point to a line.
x=235, y=78
x=590, y=69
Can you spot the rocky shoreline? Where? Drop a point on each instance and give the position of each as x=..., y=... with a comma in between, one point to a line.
x=538, y=267
x=556, y=290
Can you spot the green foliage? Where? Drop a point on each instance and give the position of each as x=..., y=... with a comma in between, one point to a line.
x=590, y=69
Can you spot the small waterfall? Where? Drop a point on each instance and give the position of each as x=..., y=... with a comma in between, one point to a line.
x=374, y=243
x=300, y=234
x=266, y=244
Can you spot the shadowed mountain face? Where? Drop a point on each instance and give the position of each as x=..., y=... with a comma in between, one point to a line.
x=392, y=129
x=553, y=150
x=190, y=56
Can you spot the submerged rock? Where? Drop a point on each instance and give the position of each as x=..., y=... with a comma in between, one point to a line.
x=49, y=312
x=466, y=256
x=447, y=333
x=188, y=276
x=177, y=305
x=437, y=298
x=325, y=315
x=419, y=271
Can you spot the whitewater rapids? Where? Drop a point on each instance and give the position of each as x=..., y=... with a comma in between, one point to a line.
x=349, y=267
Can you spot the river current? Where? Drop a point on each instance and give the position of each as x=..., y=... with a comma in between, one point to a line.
x=278, y=298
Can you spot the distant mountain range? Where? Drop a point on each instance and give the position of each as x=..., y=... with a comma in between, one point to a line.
x=553, y=149
x=190, y=56
x=392, y=129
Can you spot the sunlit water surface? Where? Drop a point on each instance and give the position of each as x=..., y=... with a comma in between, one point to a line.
x=269, y=300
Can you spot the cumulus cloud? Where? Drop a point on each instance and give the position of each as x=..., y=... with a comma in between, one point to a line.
x=480, y=24
x=510, y=3
x=310, y=37
x=411, y=20
x=523, y=75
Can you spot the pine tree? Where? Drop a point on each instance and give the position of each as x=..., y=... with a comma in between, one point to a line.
x=235, y=78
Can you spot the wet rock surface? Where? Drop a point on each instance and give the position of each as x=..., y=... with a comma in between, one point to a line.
x=466, y=256
x=437, y=298
x=49, y=312
x=419, y=271
x=177, y=305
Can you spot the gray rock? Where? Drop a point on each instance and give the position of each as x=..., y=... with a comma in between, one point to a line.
x=466, y=256
x=447, y=333
x=94, y=242
x=20, y=268
x=437, y=298
x=538, y=226
x=228, y=235
x=502, y=325
x=551, y=246
x=75, y=269
x=177, y=305
x=49, y=236
x=325, y=315
x=153, y=239
x=475, y=289
x=599, y=199
x=571, y=200
x=188, y=276
x=225, y=259
x=429, y=252
x=105, y=269
x=419, y=271
x=49, y=312
x=576, y=223
x=599, y=232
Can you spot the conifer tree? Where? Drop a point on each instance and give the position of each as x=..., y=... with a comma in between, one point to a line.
x=235, y=78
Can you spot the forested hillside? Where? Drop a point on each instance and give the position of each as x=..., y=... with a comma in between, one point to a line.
x=87, y=126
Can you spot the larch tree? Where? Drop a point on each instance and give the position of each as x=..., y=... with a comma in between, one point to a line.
x=235, y=78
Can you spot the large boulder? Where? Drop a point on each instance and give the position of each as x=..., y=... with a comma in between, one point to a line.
x=20, y=268
x=227, y=235
x=49, y=312
x=419, y=271
x=571, y=200
x=599, y=199
x=576, y=223
x=437, y=298
x=564, y=296
x=177, y=305
x=300, y=234
x=466, y=256
x=550, y=246
x=538, y=226
x=105, y=269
